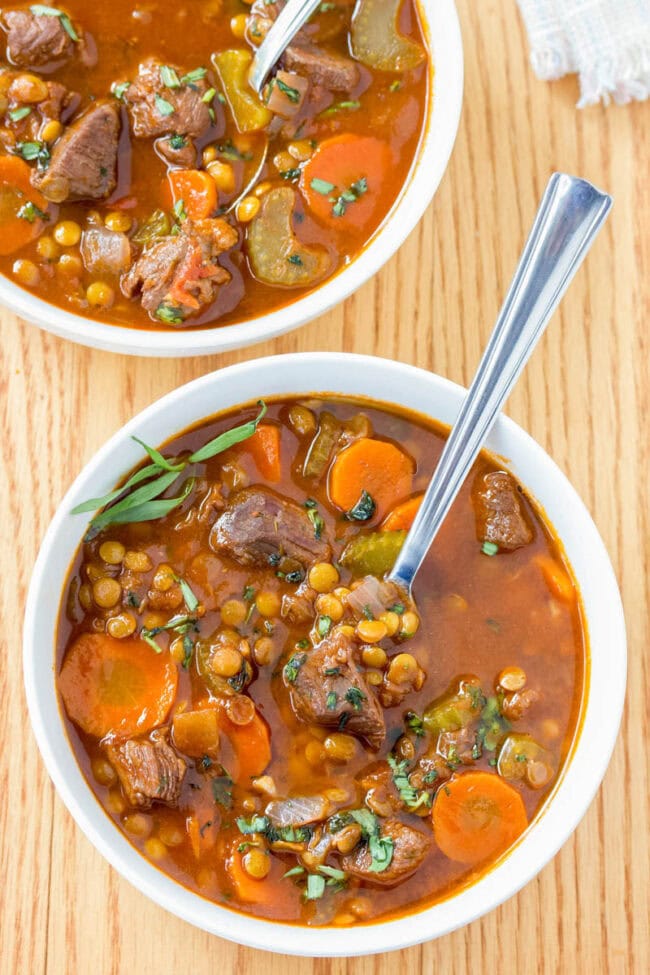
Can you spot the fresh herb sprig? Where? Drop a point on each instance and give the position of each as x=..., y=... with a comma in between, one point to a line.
x=145, y=502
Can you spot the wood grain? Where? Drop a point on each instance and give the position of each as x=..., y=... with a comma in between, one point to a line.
x=585, y=397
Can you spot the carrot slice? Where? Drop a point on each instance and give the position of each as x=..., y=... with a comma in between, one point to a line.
x=203, y=838
x=196, y=189
x=264, y=448
x=402, y=517
x=16, y=193
x=375, y=466
x=247, y=888
x=344, y=182
x=116, y=686
x=476, y=816
x=251, y=744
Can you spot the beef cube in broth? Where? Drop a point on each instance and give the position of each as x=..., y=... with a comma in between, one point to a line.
x=260, y=528
x=499, y=513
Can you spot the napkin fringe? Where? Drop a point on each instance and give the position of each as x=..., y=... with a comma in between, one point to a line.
x=607, y=42
x=622, y=79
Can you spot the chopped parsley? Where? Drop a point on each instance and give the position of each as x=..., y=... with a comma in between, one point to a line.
x=347, y=106
x=190, y=599
x=290, y=174
x=30, y=212
x=349, y=196
x=292, y=93
x=322, y=186
x=177, y=141
x=331, y=701
x=222, y=789
x=303, y=644
x=132, y=599
x=355, y=697
x=294, y=872
x=380, y=847
x=332, y=671
x=256, y=824
x=179, y=210
x=363, y=510
x=315, y=887
x=398, y=608
x=248, y=593
x=324, y=625
x=489, y=548
x=17, y=114
x=409, y=796
x=164, y=107
x=368, y=613
x=295, y=259
x=415, y=723
x=119, y=91
x=238, y=682
x=292, y=667
x=169, y=314
x=192, y=77
x=188, y=650
x=395, y=85
x=34, y=151
x=313, y=515
x=169, y=77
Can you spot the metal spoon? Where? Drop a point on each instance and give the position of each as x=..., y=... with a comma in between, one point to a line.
x=570, y=215
x=291, y=18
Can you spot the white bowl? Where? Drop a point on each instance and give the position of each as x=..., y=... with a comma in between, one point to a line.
x=445, y=43
x=419, y=390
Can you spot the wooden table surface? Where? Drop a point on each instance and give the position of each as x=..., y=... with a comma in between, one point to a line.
x=584, y=397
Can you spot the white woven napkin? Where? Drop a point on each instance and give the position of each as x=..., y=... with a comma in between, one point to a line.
x=606, y=41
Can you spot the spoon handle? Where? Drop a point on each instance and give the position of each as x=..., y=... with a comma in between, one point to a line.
x=290, y=19
x=567, y=222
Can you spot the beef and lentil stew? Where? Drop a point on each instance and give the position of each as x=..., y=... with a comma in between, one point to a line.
x=274, y=741
x=144, y=183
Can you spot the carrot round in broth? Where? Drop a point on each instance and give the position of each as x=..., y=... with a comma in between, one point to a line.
x=403, y=515
x=21, y=206
x=344, y=181
x=197, y=191
x=375, y=466
x=121, y=687
x=476, y=816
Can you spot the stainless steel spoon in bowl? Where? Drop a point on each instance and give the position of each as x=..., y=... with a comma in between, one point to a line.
x=570, y=215
x=291, y=18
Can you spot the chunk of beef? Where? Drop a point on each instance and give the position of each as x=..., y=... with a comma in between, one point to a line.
x=177, y=150
x=178, y=276
x=34, y=40
x=429, y=771
x=332, y=71
x=149, y=101
x=259, y=527
x=148, y=769
x=499, y=513
x=84, y=160
x=298, y=607
x=410, y=847
x=330, y=690
x=382, y=796
x=515, y=705
x=457, y=747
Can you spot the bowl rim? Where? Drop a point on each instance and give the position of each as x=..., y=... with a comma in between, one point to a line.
x=441, y=24
x=601, y=708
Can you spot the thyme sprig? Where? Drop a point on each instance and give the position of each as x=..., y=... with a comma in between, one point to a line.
x=125, y=505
